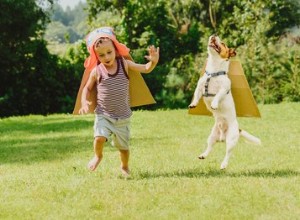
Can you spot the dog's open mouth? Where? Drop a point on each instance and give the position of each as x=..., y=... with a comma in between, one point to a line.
x=214, y=45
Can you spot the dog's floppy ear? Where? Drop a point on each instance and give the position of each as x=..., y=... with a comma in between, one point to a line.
x=232, y=52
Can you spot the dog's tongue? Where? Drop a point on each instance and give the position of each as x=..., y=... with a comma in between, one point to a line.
x=216, y=47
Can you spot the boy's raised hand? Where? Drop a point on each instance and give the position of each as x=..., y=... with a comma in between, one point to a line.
x=153, y=54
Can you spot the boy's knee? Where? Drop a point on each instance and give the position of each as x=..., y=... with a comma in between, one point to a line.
x=100, y=139
x=124, y=151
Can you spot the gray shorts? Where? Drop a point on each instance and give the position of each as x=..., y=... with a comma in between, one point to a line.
x=119, y=128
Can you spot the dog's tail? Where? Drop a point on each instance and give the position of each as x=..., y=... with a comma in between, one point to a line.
x=250, y=137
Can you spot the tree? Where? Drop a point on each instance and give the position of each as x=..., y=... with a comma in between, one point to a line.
x=19, y=31
x=257, y=28
x=66, y=26
x=32, y=80
x=238, y=20
x=181, y=29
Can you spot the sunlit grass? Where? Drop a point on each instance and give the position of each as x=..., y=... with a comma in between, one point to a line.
x=43, y=172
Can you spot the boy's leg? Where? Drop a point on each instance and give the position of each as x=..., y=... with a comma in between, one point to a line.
x=121, y=135
x=98, y=149
x=124, y=155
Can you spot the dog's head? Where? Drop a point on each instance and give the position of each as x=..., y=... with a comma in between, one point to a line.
x=217, y=47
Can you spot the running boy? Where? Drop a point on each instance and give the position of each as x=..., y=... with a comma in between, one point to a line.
x=109, y=72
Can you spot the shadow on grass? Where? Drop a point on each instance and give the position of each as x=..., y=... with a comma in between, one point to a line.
x=196, y=173
x=28, y=152
x=40, y=138
x=44, y=125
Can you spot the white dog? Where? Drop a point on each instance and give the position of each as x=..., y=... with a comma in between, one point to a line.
x=215, y=86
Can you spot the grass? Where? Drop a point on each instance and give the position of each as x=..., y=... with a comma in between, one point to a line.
x=43, y=172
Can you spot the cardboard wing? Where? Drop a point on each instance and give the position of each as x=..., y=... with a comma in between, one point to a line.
x=245, y=104
x=138, y=91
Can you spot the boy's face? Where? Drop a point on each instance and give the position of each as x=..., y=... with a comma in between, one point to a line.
x=105, y=51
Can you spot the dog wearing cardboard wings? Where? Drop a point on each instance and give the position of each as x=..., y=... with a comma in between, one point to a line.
x=215, y=88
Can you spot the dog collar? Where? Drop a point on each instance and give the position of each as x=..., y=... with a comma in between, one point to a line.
x=215, y=74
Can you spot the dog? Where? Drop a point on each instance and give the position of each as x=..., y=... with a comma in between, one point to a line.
x=215, y=88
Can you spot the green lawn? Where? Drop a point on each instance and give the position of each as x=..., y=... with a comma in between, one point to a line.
x=43, y=169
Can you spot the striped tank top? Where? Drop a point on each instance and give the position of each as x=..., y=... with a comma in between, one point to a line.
x=113, y=93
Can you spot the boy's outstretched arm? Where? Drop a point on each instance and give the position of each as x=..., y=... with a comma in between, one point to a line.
x=153, y=58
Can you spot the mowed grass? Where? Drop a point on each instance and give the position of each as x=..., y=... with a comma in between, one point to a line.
x=43, y=169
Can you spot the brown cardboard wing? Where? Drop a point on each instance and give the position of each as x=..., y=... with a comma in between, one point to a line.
x=245, y=104
x=138, y=91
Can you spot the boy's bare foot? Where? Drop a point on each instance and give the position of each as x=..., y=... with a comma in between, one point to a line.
x=125, y=172
x=94, y=163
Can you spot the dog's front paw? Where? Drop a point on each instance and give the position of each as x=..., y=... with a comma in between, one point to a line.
x=214, y=105
x=193, y=105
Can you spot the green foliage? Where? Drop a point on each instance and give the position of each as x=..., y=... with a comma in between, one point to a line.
x=58, y=33
x=283, y=15
x=291, y=84
x=240, y=20
x=20, y=43
x=181, y=30
x=66, y=26
x=33, y=80
x=176, y=92
x=104, y=19
x=273, y=73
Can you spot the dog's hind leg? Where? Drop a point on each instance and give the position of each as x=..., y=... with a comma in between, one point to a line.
x=232, y=138
x=212, y=139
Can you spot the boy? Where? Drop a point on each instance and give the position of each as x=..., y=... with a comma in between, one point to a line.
x=109, y=72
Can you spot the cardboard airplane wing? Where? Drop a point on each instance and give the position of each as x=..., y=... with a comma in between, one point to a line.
x=245, y=104
x=138, y=90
